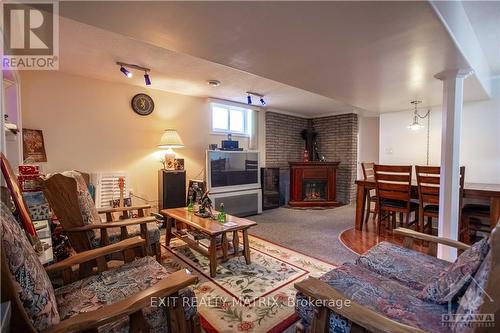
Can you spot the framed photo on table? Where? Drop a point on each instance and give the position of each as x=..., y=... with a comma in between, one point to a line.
x=196, y=188
x=174, y=164
x=179, y=164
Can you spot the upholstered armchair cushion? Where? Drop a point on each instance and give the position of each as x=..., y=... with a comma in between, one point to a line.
x=305, y=310
x=114, y=234
x=411, y=268
x=453, y=282
x=117, y=284
x=31, y=281
x=381, y=294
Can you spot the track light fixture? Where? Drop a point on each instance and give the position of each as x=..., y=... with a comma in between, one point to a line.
x=127, y=73
x=260, y=96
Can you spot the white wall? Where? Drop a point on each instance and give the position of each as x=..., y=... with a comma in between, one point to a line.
x=480, y=140
x=88, y=125
x=368, y=141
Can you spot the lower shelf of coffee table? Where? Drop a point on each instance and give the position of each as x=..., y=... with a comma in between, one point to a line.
x=197, y=246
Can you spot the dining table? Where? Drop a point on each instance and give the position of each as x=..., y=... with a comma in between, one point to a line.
x=485, y=192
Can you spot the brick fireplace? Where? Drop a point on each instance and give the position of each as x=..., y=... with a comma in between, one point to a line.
x=313, y=184
x=337, y=140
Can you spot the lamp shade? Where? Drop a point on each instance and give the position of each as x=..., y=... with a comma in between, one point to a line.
x=170, y=139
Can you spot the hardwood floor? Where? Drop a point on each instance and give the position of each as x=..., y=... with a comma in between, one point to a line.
x=361, y=241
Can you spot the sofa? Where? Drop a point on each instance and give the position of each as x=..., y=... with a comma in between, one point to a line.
x=393, y=288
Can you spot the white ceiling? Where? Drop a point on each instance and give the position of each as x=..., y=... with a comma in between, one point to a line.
x=376, y=56
x=93, y=52
x=484, y=17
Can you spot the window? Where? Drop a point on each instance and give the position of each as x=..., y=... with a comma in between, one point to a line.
x=230, y=119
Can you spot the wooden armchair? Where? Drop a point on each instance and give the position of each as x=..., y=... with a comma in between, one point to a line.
x=68, y=196
x=364, y=318
x=51, y=312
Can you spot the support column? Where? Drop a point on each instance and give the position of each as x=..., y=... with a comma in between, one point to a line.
x=449, y=187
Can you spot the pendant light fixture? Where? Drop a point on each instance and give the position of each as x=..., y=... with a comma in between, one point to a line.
x=415, y=125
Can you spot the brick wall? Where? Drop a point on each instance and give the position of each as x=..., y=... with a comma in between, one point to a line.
x=337, y=141
x=283, y=140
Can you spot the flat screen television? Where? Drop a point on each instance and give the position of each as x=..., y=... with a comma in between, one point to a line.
x=232, y=170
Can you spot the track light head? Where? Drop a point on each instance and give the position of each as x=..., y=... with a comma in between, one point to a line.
x=147, y=79
x=249, y=99
x=125, y=71
x=262, y=101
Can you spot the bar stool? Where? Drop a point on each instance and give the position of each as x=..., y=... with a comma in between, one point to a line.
x=393, y=185
x=371, y=196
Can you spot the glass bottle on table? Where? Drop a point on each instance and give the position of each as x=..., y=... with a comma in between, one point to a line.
x=222, y=214
x=190, y=205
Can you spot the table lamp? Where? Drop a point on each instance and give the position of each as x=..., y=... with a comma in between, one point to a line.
x=170, y=139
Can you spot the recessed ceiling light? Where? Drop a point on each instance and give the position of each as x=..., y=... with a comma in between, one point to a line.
x=213, y=83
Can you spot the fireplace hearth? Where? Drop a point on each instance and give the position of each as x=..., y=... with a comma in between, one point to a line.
x=312, y=184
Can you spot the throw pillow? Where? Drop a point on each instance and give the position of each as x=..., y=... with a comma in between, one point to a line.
x=31, y=282
x=455, y=279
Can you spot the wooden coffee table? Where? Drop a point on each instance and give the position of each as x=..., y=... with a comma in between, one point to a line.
x=211, y=229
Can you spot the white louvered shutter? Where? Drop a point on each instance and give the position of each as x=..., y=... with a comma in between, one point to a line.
x=107, y=187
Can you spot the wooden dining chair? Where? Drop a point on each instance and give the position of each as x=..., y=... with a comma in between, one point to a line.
x=475, y=218
x=371, y=196
x=393, y=188
x=428, y=180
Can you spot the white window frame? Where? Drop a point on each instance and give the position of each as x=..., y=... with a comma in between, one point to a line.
x=229, y=107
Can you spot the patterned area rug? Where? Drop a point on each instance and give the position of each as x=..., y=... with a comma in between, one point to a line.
x=246, y=298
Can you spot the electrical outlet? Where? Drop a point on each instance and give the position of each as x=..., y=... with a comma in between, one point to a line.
x=131, y=191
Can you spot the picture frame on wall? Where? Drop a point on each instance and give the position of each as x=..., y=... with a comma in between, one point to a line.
x=33, y=146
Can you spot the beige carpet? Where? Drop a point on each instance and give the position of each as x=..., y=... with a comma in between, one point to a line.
x=314, y=232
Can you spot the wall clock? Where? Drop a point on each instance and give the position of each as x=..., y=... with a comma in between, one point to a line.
x=142, y=104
